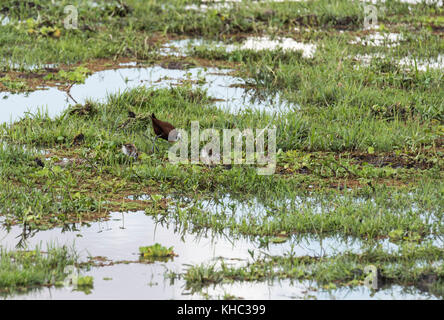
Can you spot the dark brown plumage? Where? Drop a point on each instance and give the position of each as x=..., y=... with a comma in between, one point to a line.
x=162, y=129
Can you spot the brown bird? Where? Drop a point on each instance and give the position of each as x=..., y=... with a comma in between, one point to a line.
x=130, y=150
x=164, y=130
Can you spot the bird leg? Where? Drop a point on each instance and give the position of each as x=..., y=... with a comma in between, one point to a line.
x=153, y=140
x=154, y=143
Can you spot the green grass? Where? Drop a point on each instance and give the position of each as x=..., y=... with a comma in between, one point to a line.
x=105, y=127
x=360, y=156
x=419, y=266
x=21, y=271
x=379, y=205
x=112, y=30
x=370, y=216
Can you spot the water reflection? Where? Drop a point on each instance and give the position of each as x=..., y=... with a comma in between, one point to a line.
x=227, y=91
x=119, y=237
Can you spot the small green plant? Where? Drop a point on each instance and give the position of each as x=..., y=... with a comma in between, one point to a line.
x=12, y=85
x=396, y=235
x=278, y=240
x=156, y=251
x=86, y=281
x=78, y=75
x=85, y=284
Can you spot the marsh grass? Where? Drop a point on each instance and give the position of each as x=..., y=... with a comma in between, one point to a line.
x=365, y=216
x=110, y=29
x=359, y=155
x=97, y=158
x=420, y=266
x=323, y=193
x=22, y=270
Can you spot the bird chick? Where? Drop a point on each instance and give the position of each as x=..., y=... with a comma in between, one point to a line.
x=130, y=150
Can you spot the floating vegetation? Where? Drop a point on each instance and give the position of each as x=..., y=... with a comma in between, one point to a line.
x=156, y=251
x=85, y=284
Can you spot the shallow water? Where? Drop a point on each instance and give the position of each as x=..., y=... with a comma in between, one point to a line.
x=99, y=85
x=437, y=2
x=408, y=63
x=423, y=64
x=120, y=237
x=228, y=4
x=15, y=106
x=287, y=289
x=182, y=47
x=286, y=44
x=4, y=20
x=379, y=39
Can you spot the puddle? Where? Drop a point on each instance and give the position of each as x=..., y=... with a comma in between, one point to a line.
x=265, y=43
x=120, y=237
x=182, y=47
x=253, y=210
x=437, y=2
x=423, y=64
x=282, y=290
x=4, y=20
x=29, y=149
x=227, y=209
x=15, y=106
x=228, y=4
x=407, y=62
x=128, y=64
x=27, y=67
x=307, y=290
x=379, y=39
x=366, y=59
x=219, y=85
x=211, y=6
